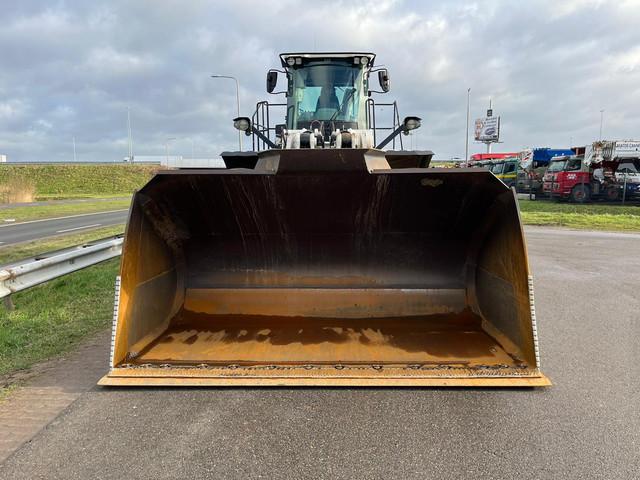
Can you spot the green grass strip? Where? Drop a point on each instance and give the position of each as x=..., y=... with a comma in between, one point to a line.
x=54, y=317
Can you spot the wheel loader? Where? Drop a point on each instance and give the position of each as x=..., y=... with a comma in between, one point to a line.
x=327, y=255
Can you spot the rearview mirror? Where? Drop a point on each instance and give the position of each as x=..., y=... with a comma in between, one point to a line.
x=272, y=80
x=383, y=79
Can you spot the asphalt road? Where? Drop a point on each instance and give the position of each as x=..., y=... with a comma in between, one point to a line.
x=11, y=233
x=587, y=426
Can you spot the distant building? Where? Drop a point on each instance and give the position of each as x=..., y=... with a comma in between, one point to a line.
x=3, y=159
x=153, y=159
x=177, y=161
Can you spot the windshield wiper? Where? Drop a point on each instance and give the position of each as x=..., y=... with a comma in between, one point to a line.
x=345, y=100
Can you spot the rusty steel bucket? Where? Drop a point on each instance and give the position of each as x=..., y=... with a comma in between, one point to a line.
x=324, y=267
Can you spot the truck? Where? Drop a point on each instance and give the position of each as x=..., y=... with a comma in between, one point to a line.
x=595, y=174
x=628, y=175
x=507, y=170
x=532, y=166
x=478, y=157
x=503, y=168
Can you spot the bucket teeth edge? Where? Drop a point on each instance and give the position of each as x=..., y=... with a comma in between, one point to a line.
x=114, y=325
x=534, y=325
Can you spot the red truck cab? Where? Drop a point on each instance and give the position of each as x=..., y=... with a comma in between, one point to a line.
x=569, y=178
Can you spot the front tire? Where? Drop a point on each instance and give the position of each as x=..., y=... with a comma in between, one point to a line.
x=580, y=194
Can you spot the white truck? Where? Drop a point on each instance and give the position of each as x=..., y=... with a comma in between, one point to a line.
x=624, y=158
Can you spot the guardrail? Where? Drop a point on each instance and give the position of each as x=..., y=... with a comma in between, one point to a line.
x=31, y=272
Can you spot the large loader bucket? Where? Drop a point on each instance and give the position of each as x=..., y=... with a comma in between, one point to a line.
x=324, y=267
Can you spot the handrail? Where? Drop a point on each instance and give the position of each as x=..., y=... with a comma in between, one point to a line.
x=371, y=106
x=260, y=121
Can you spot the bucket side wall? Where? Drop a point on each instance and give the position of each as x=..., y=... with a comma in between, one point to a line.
x=501, y=278
x=151, y=289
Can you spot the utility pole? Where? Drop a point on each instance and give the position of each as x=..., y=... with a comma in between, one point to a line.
x=601, y=121
x=237, y=103
x=489, y=143
x=129, y=135
x=74, y=150
x=166, y=148
x=466, y=145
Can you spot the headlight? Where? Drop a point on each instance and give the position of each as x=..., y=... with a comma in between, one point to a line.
x=411, y=123
x=242, y=123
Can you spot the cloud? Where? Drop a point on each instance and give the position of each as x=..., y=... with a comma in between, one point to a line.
x=71, y=69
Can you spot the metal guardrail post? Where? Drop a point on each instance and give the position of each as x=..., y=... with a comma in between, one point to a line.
x=8, y=303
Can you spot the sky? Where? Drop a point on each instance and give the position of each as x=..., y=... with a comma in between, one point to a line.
x=71, y=69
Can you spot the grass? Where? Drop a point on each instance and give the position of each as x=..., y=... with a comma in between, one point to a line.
x=17, y=189
x=37, y=212
x=12, y=253
x=76, y=181
x=587, y=216
x=53, y=318
x=5, y=391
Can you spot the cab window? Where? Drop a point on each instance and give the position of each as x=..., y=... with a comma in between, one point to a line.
x=573, y=164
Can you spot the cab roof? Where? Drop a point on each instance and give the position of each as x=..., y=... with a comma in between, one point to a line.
x=329, y=55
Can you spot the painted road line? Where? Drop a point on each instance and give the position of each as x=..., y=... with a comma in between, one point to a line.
x=63, y=218
x=78, y=228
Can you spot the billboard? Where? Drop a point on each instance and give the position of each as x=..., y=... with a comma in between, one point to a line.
x=487, y=129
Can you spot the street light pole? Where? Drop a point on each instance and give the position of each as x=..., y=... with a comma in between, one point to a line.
x=466, y=145
x=166, y=148
x=74, y=149
x=601, y=121
x=237, y=102
x=129, y=139
x=489, y=143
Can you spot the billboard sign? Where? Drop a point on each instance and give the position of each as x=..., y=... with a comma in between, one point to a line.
x=487, y=129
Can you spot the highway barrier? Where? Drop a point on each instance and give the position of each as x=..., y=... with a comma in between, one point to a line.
x=33, y=271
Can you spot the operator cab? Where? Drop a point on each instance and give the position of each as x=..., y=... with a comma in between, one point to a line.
x=327, y=92
x=328, y=105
